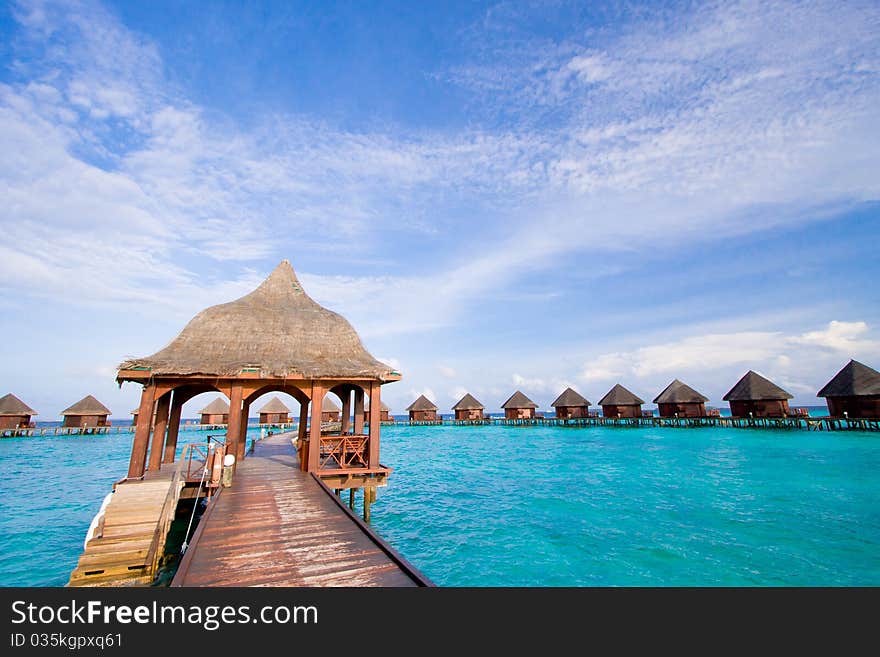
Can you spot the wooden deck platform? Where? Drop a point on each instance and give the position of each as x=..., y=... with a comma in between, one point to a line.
x=279, y=526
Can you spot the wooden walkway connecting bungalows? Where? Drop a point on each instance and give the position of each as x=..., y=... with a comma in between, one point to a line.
x=279, y=526
x=789, y=422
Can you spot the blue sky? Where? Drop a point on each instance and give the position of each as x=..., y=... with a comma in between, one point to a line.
x=497, y=195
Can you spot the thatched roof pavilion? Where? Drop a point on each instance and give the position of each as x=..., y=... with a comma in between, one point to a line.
x=422, y=410
x=571, y=404
x=384, y=412
x=853, y=392
x=217, y=412
x=330, y=410
x=274, y=412
x=274, y=339
x=14, y=413
x=87, y=412
x=468, y=408
x=755, y=396
x=518, y=407
x=620, y=402
x=680, y=400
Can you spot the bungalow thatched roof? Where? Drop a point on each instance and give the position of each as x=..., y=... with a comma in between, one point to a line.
x=12, y=405
x=88, y=405
x=274, y=405
x=519, y=400
x=276, y=330
x=217, y=407
x=382, y=406
x=570, y=398
x=329, y=406
x=754, y=387
x=422, y=404
x=468, y=403
x=679, y=393
x=620, y=396
x=854, y=380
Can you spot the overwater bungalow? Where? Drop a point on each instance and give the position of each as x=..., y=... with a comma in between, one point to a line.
x=519, y=407
x=468, y=408
x=853, y=392
x=274, y=412
x=88, y=412
x=217, y=412
x=384, y=413
x=755, y=396
x=680, y=400
x=422, y=410
x=14, y=413
x=620, y=402
x=330, y=411
x=571, y=404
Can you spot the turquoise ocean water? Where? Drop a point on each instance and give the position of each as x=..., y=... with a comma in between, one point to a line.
x=539, y=506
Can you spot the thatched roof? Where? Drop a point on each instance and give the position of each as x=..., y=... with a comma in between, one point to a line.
x=422, y=404
x=329, y=406
x=274, y=405
x=276, y=330
x=679, y=393
x=88, y=405
x=754, y=387
x=468, y=403
x=217, y=407
x=519, y=400
x=12, y=405
x=382, y=406
x=620, y=396
x=854, y=380
x=570, y=397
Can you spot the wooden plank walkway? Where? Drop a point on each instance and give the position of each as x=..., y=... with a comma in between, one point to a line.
x=131, y=536
x=277, y=526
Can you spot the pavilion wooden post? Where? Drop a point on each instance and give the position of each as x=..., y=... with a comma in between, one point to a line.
x=142, y=433
x=315, y=428
x=233, y=428
x=158, y=446
x=301, y=432
x=375, y=414
x=358, y=410
x=346, y=411
x=173, y=428
x=242, y=443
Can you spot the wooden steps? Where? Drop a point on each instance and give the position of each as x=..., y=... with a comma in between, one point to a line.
x=131, y=535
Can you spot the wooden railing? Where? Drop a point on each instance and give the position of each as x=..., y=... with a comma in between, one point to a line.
x=344, y=452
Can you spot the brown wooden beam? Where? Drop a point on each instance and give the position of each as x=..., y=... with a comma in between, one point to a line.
x=158, y=445
x=301, y=432
x=375, y=416
x=177, y=403
x=315, y=427
x=346, y=411
x=233, y=428
x=242, y=443
x=142, y=433
x=359, y=410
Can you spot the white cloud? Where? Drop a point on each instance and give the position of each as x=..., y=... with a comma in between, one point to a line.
x=446, y=371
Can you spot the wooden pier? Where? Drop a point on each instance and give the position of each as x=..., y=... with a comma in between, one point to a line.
x=280, y=526
x=801, y=422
